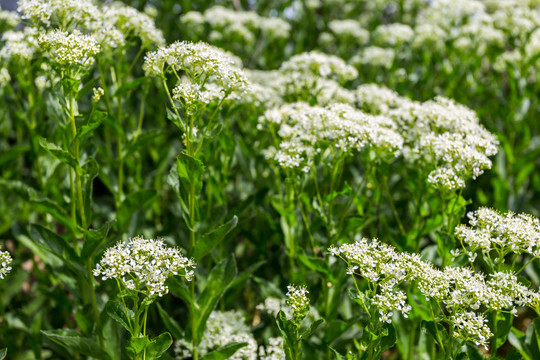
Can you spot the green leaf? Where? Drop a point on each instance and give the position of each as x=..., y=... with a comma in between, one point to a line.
x=12, y=153
x=190, y=170
x=473, y=353
x=224, y=352
x=131, y=204
x=213, y=238
x=307, y=333
x=41, y=203
x=316, y=264
x=180, y=289
x=144, y=140
x=87, y=88
x=170, y=323
x=531, y=342
x=246, y=274
x=115, y=126
x=94, y=240
x=86, y=130
x=153, y=349
x=513, y=354
x=119, y=313
x=218, y=282
x=72, y=340
x=136, y=345
x=517, y=339
x=504, y=324
x=57, y=246
x=158, y=346
x=389, y=340
x=171, y=115
x=91, y=171
x=289, y=331
x=336, y=354
x=60, y=154
x=335, y=329
x=432, y=327
x=3, y=353
x=128, y=86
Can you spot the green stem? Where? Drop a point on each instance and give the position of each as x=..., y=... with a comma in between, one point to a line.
x=393, y=207
x=356, y=193
x=439, y=338
x=144, y=327
x=76, y=154
x=304, y=216
x=194, y=338
x=360, y=296
x=524, y=266
x=92, y=291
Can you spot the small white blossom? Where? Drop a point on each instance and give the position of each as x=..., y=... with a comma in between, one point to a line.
x=98, y=93
x=297, y=298
x=222, y=328
x=144, y=263
x=198, y=61
x=491, y=230
x=5, y=261
x=320, y=65
x=70, y=49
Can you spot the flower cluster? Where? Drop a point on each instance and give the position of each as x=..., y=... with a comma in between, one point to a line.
x=144, y=263
x=5, y=261
x=446, y=135
x=350, y=30
x=393, y=34
x=460, y=290
x=376, y=99
x=306, y=131
x=319, y=65
x=70, y=49
x=4, y=77
x=98, y=93
x=67, y=13
x=222, y=328
x=490, y=230
x=131, y=22
x=273, y=306
x=199, y=61
x=241, y=26
x=471, y=326
x=19, y=45
x=273, y=351
x=375, y=56
x=110, y=25
x=297, y=298
x=9, y=19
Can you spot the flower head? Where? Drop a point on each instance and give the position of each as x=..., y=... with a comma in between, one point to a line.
x=144, y=263
x=70, y=49
x=297, y=299
x=5, y=261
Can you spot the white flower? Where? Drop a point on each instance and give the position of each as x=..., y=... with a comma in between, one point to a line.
x=5, y=261
x=306, y=131
x=4, y=77
x=70, y=49
x=198, y=61
x=517, y=233
x=320, y=65
x=98, y=93
x=145, y=263
x=222, y=328
x=297, y=298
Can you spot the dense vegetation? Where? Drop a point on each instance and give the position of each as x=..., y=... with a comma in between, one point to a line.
x=323, y=179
